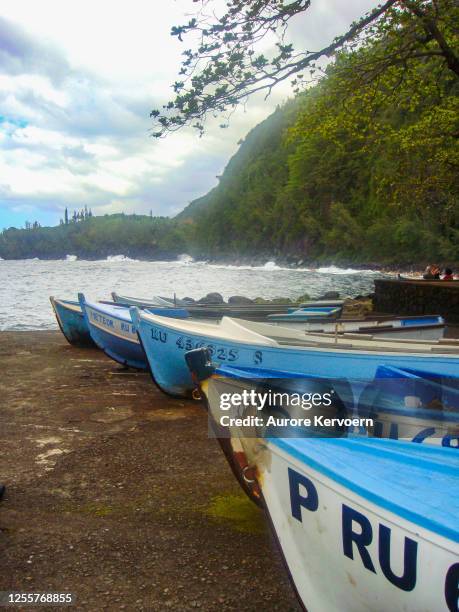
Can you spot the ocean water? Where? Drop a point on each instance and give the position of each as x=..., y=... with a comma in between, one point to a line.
x=25, y=286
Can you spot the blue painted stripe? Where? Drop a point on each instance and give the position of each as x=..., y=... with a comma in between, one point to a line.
x=421, y=321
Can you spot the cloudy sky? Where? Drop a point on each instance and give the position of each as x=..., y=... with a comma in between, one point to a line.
x=78, y=79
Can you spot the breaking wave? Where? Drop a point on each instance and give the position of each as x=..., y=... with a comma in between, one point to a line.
x=119, y=258
x=337, y=270
x=185, y=259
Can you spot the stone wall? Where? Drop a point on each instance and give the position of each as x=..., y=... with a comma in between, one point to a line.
x=418, y=298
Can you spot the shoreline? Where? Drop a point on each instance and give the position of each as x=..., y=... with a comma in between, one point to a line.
x=267, y=263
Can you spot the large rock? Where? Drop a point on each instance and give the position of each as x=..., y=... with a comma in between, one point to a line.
x=330, y=295
x=212, y=298
x=239, y=299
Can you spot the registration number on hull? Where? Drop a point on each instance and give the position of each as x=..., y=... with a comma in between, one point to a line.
x=185, y=343
x=217, y=352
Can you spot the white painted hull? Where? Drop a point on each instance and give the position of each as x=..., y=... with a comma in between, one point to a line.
x=316, y=545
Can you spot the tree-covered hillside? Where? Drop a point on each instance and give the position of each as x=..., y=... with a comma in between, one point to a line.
x=361, y=177
x=97, y=237
x=362, y=167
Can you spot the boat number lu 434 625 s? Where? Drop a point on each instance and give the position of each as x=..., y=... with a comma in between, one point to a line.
x=188, y=344
x=358, y=533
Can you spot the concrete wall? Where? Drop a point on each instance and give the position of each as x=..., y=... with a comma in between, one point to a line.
x=418, y=297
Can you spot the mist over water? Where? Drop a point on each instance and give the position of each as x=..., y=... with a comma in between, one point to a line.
x=25, y=286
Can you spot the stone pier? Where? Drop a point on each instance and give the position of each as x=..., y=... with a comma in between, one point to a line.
x=410, y=297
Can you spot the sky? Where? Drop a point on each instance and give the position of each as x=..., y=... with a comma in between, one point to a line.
x=78, y=80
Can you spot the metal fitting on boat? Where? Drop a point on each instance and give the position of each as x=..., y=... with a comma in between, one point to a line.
x=196, y=395
x=245, y=470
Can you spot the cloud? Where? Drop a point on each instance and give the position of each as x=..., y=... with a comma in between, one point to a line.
x=77, y=83
x=21, y=53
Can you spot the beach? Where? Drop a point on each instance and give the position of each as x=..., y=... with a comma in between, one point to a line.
x=115, y=493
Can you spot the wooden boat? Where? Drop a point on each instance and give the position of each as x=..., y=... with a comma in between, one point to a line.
x=427, y=327
x=71, y=322
x=152, y=302
x=217, y=311
x=253, y=344
x=385, y=537
x=112, y=330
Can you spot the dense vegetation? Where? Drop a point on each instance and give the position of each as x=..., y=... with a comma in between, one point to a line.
x=96, y=237
x=363, y=167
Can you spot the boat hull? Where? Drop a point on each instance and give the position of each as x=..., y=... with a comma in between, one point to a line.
x=72, y=323
x=363, y=524
x=165, y=347
x=115, y=335
x=396, y=564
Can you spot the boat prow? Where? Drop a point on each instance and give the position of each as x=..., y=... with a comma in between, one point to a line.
x=72, y=323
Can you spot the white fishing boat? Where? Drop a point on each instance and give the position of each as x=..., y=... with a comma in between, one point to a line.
x=363, y=523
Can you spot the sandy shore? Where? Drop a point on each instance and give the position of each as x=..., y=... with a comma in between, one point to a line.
x=116, y=493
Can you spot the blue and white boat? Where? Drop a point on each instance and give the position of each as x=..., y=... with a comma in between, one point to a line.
x=253, y=344
x=71, y=322
x=363, y=523
x=112, y=330
x=326, y=305
x=380, y=537
x=257, y=312
x=411, y=405
x=385, y=537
